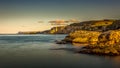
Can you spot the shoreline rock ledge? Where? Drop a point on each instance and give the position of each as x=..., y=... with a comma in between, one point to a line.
x=99, y=43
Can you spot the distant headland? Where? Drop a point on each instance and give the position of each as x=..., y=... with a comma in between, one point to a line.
x=92, y=25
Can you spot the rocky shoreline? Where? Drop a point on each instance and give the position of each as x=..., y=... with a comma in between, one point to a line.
x=97, y=41
x=109, y=51
x=100, y=37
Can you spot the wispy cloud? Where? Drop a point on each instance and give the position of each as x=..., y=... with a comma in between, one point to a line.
x=58, y=22
x=40, y=21
x=62, y=22
x=74, y=20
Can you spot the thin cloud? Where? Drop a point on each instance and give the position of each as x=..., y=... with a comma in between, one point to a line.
x=73, y=20
x=59, y=22
x=40, y=21
x=63, y=22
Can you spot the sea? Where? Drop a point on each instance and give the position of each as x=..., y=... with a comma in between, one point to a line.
x=41, y=51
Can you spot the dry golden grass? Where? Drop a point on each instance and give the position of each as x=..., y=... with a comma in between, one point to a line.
x=102, y=23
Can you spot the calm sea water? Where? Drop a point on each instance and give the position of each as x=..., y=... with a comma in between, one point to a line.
x=40, y=51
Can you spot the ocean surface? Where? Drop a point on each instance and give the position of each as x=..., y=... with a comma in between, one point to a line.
x=40, y=51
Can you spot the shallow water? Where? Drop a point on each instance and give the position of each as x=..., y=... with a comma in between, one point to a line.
x=40, y=51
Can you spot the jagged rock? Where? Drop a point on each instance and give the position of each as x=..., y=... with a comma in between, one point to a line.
x=115, y=25
x=111, y=37
x=82, y=36
x=108, y=44
x=98, y=43
x=60, y=42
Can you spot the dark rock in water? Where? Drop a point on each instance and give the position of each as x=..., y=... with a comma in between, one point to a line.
x=60, y=42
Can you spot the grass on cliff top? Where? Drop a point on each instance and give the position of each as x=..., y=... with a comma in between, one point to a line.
x=94, y=23
x=102, y=23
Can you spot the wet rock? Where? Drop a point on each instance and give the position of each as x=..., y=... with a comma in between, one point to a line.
x=60, y=42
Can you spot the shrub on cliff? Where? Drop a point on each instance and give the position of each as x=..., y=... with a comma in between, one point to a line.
x=115, y=25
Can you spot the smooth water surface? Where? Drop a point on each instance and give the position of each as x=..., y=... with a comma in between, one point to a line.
x=40, y=51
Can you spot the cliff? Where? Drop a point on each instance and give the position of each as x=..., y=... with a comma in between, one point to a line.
x=98, y=43
x=94, y=25
x=102, y=39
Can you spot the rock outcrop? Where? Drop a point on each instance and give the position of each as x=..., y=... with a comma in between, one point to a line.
x=94, y=25
x=105, y=43
x=82, y=36
x=108, y=38
x=102, y=37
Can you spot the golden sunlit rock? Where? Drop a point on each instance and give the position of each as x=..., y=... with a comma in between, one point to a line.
x=82, y=36
x=110, y=37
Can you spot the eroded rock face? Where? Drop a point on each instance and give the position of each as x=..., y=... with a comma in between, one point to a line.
x=93, y=25
x=93, y=37
x=114, y=26
x=108, y=43
x=82, y=36
x=111, y=37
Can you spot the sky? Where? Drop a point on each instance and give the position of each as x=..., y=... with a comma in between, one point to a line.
x=24, y=15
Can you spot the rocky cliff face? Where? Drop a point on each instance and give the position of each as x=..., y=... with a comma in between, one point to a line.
x=108, y=38
x=115, y=25
x=98, y=37
x=95, y=25
x=108, y=44
x=83, y=36
x=99, y=43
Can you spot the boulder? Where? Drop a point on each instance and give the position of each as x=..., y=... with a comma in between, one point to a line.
x=82, y=36
x=60, y=42
x=111, y=37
